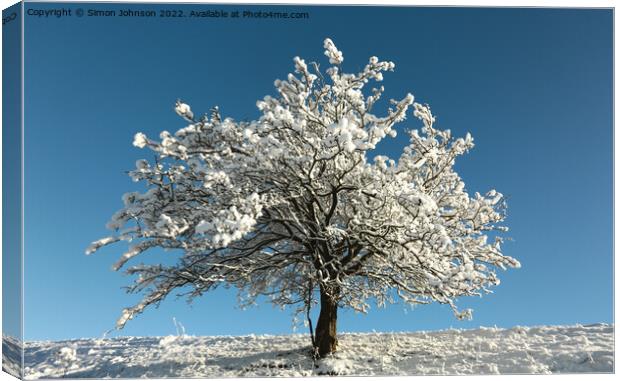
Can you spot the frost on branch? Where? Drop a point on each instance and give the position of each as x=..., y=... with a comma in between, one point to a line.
x=295, y=203
x=334, y=55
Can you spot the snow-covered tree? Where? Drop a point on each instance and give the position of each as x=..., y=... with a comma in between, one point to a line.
x=294, y=207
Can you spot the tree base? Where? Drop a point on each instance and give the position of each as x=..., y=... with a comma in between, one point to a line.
x=326, y=341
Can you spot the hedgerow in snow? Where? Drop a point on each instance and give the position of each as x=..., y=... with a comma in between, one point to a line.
x=294, y=205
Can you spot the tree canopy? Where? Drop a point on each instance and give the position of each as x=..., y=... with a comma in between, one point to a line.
x=294, y=203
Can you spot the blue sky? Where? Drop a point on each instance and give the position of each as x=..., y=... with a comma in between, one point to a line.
x=11, y=188
x=533, y=86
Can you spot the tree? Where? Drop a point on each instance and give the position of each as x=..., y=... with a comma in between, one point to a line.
x=290, y=207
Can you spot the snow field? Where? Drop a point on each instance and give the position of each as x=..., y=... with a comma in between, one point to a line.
x=519, y=350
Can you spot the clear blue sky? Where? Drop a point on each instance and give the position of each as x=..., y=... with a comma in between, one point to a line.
x=533, y=86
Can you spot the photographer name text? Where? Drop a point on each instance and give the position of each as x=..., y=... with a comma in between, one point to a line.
x=165, y=13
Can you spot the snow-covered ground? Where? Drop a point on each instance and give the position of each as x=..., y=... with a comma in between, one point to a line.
x=541, y=350
x=11, y=355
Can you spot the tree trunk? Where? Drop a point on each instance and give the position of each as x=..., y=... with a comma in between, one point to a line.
x=325, y=339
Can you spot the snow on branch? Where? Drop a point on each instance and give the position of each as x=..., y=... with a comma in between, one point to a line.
x=295, y=199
